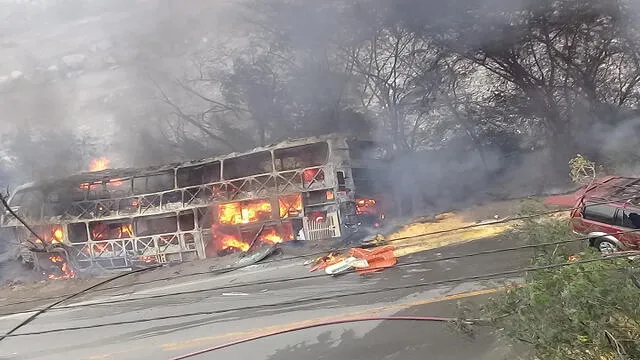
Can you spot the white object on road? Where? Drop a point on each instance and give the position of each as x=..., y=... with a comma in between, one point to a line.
x=345, y=265
x=357, y=263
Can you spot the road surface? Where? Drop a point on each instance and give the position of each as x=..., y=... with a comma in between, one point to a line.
x=147, y=322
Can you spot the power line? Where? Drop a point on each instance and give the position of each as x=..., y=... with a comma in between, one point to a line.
x=505, y=220
x=414, y=236
x=523, y=217
x=322, y=275
x=466, y=227
x=209, y=272
x=8, y=208
x=517, y=218
x=322, y=298
x=43, y=310
x=290, y=279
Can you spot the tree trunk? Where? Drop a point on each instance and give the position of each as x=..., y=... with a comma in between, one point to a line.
x=562, y=147
x=469, y=130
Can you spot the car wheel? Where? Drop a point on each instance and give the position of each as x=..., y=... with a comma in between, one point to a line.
x=605, y=246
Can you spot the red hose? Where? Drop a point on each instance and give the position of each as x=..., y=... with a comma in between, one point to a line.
x=325, y=323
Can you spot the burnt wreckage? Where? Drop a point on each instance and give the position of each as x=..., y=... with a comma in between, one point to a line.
x=308, y=189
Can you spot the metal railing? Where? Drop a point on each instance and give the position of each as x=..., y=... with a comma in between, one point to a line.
x=251, y=187
x=161, y=248
x=319, y=230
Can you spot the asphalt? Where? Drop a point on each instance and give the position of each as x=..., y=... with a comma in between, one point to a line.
x=160, y=320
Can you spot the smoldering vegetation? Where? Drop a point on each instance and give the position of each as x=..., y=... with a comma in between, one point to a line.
x=477, y=100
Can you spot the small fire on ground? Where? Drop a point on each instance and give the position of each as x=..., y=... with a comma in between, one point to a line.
x=64, y=271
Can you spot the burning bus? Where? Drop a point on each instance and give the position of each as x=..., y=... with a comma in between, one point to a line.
x=307, y=189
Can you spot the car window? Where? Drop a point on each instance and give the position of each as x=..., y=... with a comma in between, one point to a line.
x=600, y=213
x=631, y=219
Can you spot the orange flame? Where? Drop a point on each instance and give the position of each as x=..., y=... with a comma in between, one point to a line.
x=112, y=182
x=244, y=212
x=230, y=242
x=102, y=231
x=270, y=236
x=51, y=234
x=101, y=163
x=148, y=259
x=115, y=182
x=84, y=186
x=226, y=241
x=57, y=235
x=249, y=211
x=290, y=205
x=126, y=231
x=67, y=272
x=310, y=175
x=366, y=206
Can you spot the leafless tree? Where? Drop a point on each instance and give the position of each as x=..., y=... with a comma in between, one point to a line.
x=389, y=61
x=563, y=57
x=544, y=72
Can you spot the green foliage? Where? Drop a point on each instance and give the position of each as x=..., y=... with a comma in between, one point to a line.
x=531, y=206
x=573, y=312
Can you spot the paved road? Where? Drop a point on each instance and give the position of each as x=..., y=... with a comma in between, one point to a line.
x=219, y=316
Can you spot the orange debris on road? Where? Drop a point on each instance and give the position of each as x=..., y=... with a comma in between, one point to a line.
x=375, y=259
x=378, y=258
x=327, y=260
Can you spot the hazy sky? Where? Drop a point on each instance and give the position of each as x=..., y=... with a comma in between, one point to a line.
x=82, y=70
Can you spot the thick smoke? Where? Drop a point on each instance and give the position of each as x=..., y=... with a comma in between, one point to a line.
x=150, y=82
x=617, y=144
x=156, y=81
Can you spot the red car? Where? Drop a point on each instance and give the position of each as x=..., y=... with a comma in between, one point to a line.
x=607, y=211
